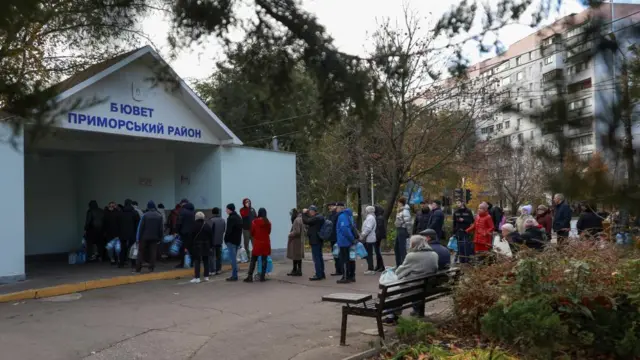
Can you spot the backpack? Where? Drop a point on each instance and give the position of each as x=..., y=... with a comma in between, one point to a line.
x=326, y=230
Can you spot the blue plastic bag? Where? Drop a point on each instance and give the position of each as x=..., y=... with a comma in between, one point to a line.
x=169, y=238
x=187, y=261
x=453, y=244
x=336, y=250
x=174, y=250
x=269, y=265
x=352, y=253
x=81, y=257
x=361, y=251
x=226, y=255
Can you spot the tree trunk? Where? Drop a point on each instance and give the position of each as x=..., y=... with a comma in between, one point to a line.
x=626, y=109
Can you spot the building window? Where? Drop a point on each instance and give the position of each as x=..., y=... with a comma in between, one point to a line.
x=530, y=56
x=530, y=86
x=577, y=104
x=581, y=141
x=531, y=135
x=518, y=93
x=518, y=60
x=530, y=103
x=548, y=60
x=499, y=127
x=520, y=139
x=548, y=41
x=519, y=106
x=520, y=76
x=519, y=121
x=506, y=124
x=506, y=81
x=578, y=68
x=582, y=85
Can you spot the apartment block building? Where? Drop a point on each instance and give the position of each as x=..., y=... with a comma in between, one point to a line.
x=557, y=58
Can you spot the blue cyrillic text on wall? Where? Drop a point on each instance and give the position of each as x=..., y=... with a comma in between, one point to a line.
x=133, y=126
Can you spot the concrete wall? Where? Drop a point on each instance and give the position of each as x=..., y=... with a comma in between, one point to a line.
x=51, y=204
x=268, y=178
x=197, y=177
x=12, y=213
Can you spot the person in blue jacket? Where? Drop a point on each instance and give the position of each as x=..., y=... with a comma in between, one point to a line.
x=346, y=238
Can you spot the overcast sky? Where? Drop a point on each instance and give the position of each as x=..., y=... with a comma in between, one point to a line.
x=348, y=21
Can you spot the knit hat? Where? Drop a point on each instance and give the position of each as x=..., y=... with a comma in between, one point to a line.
x=313, y=208
x=231, y=207
x=199, y=215
x=151, y=205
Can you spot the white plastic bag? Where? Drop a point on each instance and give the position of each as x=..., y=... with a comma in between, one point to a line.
x=133, y=251
x=501, y=246
x=388, y=276
x=242, y=256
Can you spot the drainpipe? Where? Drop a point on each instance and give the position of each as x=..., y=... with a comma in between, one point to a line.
x=274, y=143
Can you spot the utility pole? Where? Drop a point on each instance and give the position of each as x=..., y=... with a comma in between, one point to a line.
x=464, y=192
x=626, y=109
x=373, y=201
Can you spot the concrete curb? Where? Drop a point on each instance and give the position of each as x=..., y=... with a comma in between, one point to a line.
x=64, y=289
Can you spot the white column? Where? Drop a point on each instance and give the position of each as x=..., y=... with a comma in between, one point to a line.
x=12, y=208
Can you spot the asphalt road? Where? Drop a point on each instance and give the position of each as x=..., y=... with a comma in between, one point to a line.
x=280, y=319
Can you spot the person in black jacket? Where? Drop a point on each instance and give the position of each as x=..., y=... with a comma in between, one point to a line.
x=381, y=235
x=561, y=218
x=233, y=238
x=93, y=228
x=111, y=227
x=533, y=237
x=589, y=223
x=200, y=245
x=186, y=218
x=314, y=221
x=462, y=220
x=421, y=223
x=149, y=233
x=333, y=216
x=128, y=223
x=496, y=214
x=436, y=220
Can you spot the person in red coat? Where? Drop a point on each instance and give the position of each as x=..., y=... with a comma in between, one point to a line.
x=544, y=219
x=483, y=230
x=260, y=232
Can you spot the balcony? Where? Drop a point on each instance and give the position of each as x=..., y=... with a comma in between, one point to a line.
x=552, y=78
x=548, y=50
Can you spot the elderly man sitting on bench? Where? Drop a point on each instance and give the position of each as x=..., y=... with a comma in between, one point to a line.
x=421, y=260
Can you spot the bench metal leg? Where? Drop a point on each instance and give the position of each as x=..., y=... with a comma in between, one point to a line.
x=380, y=327
x=343, y=329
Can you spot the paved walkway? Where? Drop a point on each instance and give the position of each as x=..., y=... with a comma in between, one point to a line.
x=280, y=319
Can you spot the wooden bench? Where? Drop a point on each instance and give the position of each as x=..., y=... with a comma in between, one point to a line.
x=393, y=297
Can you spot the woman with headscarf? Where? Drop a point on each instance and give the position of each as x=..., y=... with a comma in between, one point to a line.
x=199, y=246
x=543, y=217
x=525, y=214
x=260, y=233
x=295, y=244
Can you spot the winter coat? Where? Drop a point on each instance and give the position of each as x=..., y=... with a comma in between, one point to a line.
x=111, y=225
x=482, y=230
x=344, y=228
x=247, y=214
x=261, y=231
x=295, y=244
x=201, y=239
x=444, y=256
x=562, y=218
x=589, y=223
x=466, y=215
x=172, y=223
x=150, y=227
x=129, y=220
x=94, y=219
x=436, y=222
x=233, y=230
x=403, y=219
x=314, y=224
x=496, y=214
x=422, y=221
x=186, y=218
x=381, y=224
x=137, y=209
x=546, y=221
x=368, y=233
x=217, y=228
x=419, y=262
x=334, y=220
x=520, y=221
x=533, y=238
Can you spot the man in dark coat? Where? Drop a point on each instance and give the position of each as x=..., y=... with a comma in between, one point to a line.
x=561, y=218
x=444, y=256
x=93, y=228
x=436, y=220
x=333, y=216
x=233, y=238
x=314, y=221
x=128, y=222
x=217, y=224
x=421, y=222
x=148, y=235
x=462, y=220
x=186, y=219
x=111, y=226
x=496, y=215
x=381, y=235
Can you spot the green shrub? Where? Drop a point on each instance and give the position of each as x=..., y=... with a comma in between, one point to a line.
x=413, y=331
x=532, y=325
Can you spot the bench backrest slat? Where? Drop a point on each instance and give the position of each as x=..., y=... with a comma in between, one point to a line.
x=399, y=293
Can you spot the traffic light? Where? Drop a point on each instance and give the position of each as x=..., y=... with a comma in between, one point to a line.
x=468, y=195
x=457, y=194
